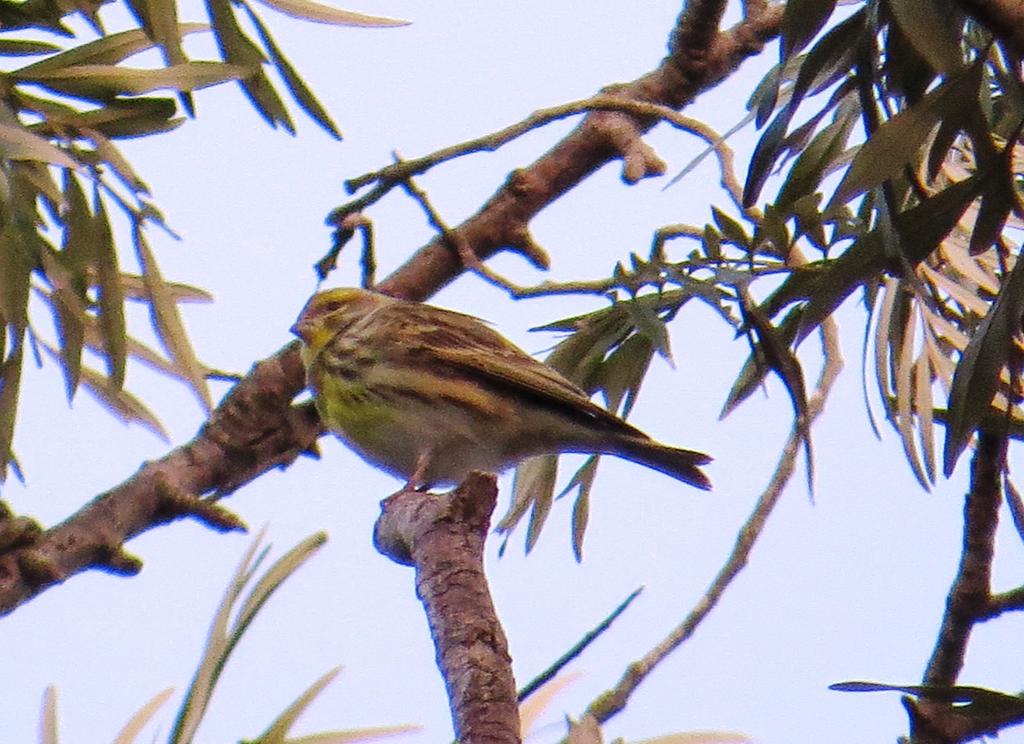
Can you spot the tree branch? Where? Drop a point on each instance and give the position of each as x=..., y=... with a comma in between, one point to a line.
x=612, y=701
x=502, y=221
x=256, y=429
x=934, y=721
x=442, y=536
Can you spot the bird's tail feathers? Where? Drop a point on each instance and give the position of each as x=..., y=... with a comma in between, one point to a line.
x=681, y=464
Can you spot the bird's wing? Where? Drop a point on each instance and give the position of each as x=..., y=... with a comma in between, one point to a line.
x=431, y=336
x=515, y=371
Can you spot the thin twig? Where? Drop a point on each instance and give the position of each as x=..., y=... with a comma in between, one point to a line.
x=614, y=700
x=255, y=429
x=578, y=648
x=397, y=173
x=1009, y=601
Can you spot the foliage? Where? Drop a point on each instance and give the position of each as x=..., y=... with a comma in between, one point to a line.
x=224, y=636
x=895, y=139
x=62, y=175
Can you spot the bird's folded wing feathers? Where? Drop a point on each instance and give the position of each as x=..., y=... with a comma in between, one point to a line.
x=528, y=377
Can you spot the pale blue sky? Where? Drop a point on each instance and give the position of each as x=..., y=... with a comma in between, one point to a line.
x=850, y=587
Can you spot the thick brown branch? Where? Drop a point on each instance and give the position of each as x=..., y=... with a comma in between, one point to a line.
x=442, y=536
x=932, y=721
x=255, y=428
x=586, y=149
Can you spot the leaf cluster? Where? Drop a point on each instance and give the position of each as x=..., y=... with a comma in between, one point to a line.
x=64, y=182
x=920, y=209
x=890, y=140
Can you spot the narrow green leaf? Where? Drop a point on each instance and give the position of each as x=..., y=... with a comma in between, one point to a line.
x=904, y=373
x=118, y=118
x=109, y=154
x=623, y=372
x=539, y=485
x=18, y=259
x=135, y=289
x=801, y=22
x=17, y=143
x=647, y=323
x=313, y=11
x=167, y=321
x=584, y=479
x=279, y=728
x=166, y=31
x=25, y=48
x=354, y=736
x=111, y=297
x=900, y=139
x=225, y=635
x=38, y=175
x=108, y=50
x=580, y=355
x=924, y=226
x=817, y=159
x=763, y=100
x=276, y=575
x=829, y=59
x=215, y=653
x=104, y=81
x=766, y=152
x=927, y=24
x=296, y=85
x=131, y=730
x=120, y=402
x=977, y=374
x=10, y=382
x=944, y=138
x=731, y=229
x=712, y=242
x=998, y=200
x=991, y=701
x=754, y=369
x=923, y=405
x=534, y=479
x=775, y=349
x=237, y=48
x=67, y=310
x=78, y=252
x=883, y=326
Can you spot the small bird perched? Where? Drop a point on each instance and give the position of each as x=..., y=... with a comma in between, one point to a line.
x=430, y=394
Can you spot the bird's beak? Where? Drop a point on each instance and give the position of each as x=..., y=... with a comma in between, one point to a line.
x=299, y=330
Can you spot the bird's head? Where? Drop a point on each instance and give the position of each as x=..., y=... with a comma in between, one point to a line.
x=332, y=311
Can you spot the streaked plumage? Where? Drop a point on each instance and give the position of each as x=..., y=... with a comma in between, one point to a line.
x=430, y=394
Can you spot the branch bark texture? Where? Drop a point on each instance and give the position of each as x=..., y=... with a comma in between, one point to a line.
x=940, y=722
x=442, y=536
x=256, y=429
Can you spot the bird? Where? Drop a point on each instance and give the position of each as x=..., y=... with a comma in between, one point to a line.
x=430, y=395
